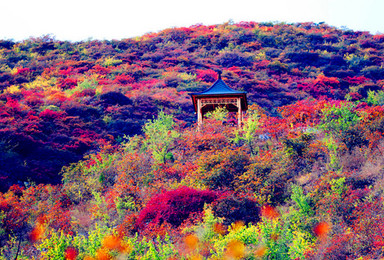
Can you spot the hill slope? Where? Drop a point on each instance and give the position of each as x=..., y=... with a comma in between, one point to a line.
x=302, y=178
x=60, y=100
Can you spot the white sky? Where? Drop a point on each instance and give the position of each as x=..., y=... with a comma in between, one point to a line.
x=77, y=20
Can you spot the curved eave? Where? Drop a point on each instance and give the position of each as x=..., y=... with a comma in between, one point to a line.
x=219, y=88
x=242, y=95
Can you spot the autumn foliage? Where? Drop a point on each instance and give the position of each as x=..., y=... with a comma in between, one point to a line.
x=100, y=156
x=174, y=206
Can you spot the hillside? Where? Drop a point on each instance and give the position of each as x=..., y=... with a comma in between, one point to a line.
x=60, y=100
x=99, y=137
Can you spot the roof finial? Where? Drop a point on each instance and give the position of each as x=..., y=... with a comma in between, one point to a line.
x=219, y=74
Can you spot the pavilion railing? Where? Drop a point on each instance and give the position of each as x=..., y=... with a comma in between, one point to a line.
x=218, y=101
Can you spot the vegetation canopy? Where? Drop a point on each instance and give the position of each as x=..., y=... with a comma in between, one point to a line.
x=101, y=158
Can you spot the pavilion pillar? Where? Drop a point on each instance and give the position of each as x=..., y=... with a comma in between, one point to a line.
x=239, y=112
x=199, y=113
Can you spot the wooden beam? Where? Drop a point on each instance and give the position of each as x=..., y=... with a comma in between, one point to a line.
x=199, y=113
x=239, y=112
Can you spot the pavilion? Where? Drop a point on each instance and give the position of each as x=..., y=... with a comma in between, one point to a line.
x=219, y=95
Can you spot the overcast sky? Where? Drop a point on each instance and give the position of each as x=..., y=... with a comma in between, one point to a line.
x=77, y=20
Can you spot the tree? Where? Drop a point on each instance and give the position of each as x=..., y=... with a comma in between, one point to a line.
x=160, y=134
x=339, y=118
x=248, y=132
x=219, y=114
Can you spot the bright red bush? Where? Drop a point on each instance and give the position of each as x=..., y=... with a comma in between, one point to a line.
x=67, y=83
x=206, y=75
x=50, y=115
x=174, y=206
x=124, y=79
x=71, y=253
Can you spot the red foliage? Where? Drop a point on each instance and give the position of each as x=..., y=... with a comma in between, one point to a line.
x=34, y=100
x=303, y=113
x=13, y=105
x=128, y=226
x=100, y=70
x=23, y=71
x=330, y=81
x=356, y=80
x=14, y=212
x=17, y=190
x=79, y=146
x=379, y=37
x=206, y=75
x=165, y=171
x=48, y=114
x=105, y=82
x=355, y=96
x=67, y=83
x=66, y=72
x=123, y=79
x=321, y=229
x=70, y=253
x=246, y=24
x=174, y=206
x=363, y=238
x=320, y=87
x=43, y=205
x=37, y=233
x=277, y=127
x=269, y=212
x=85, y=93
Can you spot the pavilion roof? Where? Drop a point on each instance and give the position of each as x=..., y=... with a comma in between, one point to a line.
x=220, y=89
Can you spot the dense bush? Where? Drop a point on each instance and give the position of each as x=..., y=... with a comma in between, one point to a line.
x=236, y=209
x=174, y=206
x=230, y=59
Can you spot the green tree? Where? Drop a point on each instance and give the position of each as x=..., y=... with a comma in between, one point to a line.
x=159, y=136
x=337, y=119
x=375, y=97
x=248, y=132
x=219, y=114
